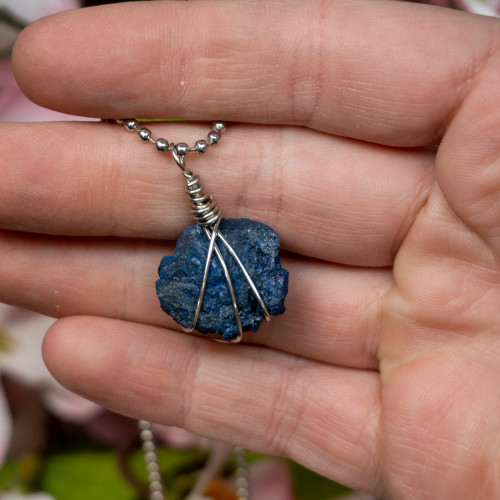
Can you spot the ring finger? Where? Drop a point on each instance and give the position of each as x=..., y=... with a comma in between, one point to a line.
x=333, y=312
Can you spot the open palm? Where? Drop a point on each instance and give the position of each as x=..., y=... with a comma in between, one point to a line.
x=367, y=137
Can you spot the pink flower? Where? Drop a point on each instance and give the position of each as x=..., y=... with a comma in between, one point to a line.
x=21, y=335
x=484, y=7
x=176, y=437
x=14, y=106
x=271, y=480
x=31, y=10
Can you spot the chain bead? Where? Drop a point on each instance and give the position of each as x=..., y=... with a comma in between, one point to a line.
x=201, y=146
x=144, y=134
x=130, y=125
x=154, y=476
x=213, y=138
x=147, y=435
x=151, y=460
x=182, y=149
x=219, y=127
x=154, y=487
x=161, y=145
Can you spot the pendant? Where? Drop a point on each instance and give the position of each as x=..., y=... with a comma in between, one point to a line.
x=244, y=283
x=225, y=276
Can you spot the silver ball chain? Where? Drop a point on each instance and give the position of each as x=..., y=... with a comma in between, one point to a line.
x=181, y=149
x=151, y=460
x=242, y=480
x=156, y=491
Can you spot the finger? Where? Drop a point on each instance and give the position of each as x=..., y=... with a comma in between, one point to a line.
x=333, y=312
x=256, y=397
x=62, y=276
x=339, y=200
x=336, y=69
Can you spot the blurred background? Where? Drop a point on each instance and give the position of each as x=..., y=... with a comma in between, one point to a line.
x=55, y=445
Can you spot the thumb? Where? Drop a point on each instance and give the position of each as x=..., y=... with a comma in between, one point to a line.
x=468, y=160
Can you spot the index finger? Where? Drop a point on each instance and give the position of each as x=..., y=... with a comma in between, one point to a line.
x=367, y=70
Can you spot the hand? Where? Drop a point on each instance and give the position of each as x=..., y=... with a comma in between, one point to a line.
x=369, y=140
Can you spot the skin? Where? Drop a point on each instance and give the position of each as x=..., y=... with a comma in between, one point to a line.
x=366, y=134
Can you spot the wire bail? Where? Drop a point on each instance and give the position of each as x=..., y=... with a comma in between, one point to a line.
x=179, y=159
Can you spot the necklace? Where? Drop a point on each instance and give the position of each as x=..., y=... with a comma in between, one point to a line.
x=212, y=296
x=244, y=285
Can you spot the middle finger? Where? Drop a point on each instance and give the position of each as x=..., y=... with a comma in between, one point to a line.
x=329, y=198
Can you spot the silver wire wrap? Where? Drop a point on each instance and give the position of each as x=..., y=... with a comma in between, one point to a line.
x=206, y=214
x=205, y=211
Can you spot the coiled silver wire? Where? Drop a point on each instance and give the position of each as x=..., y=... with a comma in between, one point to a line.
x=206, y=213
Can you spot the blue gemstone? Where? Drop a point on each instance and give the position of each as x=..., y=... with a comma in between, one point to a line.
x=181, y=274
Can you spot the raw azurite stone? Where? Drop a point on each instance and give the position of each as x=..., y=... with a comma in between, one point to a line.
x=257, y=246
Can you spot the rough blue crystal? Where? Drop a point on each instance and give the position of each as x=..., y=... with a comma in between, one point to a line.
x=181, y=274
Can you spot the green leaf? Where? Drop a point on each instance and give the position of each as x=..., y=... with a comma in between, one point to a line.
x=311, y=486
x=8, y=475
x=19, y=474
x=96, y=475
x=84, y=476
